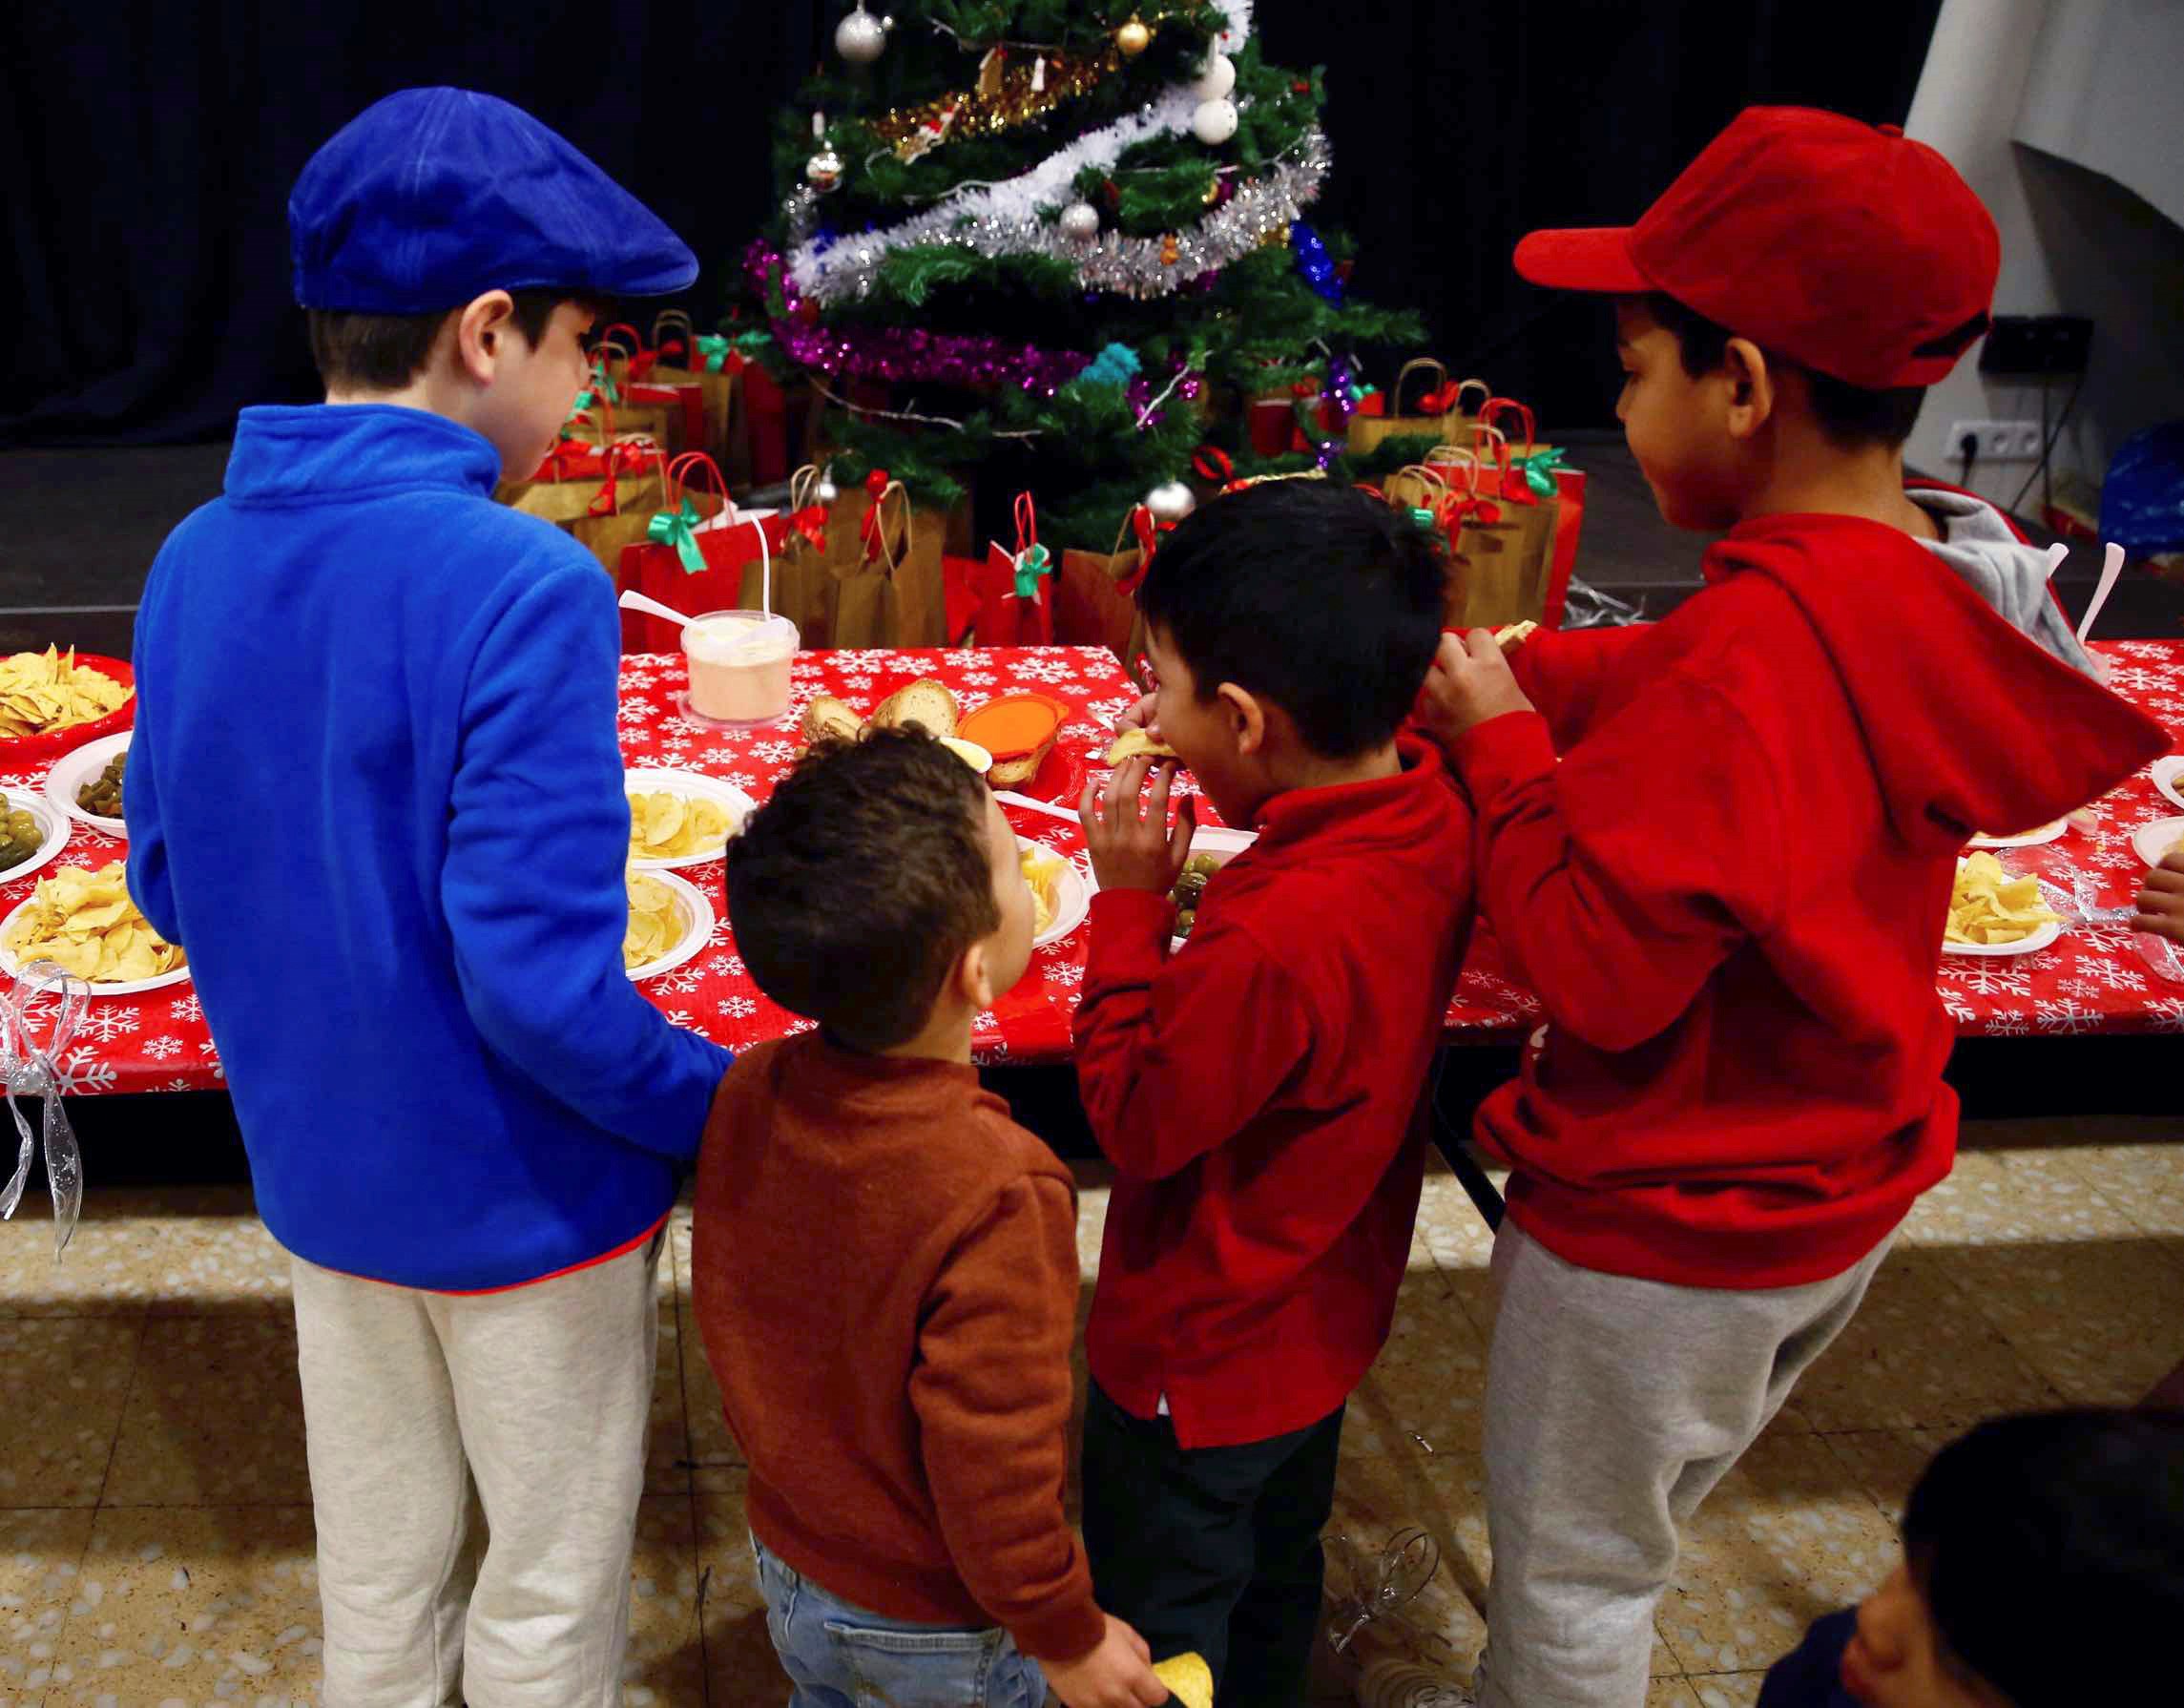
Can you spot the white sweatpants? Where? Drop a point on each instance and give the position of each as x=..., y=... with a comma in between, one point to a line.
x=541, y=1395
x=1613, y=1407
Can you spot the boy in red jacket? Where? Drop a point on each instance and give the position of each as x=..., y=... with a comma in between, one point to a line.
x=1728, y=893
x=1257, y=1089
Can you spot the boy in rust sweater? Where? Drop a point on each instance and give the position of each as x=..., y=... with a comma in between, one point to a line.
x=885, y=1265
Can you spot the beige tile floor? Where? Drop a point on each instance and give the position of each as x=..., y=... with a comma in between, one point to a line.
x=155, y=1510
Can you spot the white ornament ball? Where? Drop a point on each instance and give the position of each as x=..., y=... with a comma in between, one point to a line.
x=1079, y=222
x=824, y=170
x=861, y=38
x=826, y=491
x=1214, y=82
x=1215, y=122
x=1171, y=501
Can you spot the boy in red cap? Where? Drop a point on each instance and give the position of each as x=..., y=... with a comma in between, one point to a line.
x=1729, y=891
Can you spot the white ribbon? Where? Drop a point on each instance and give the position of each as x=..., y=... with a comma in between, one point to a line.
x=30, y=1069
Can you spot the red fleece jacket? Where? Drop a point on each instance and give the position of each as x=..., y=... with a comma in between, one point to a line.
x=1729, y=895
x=1260, y=1093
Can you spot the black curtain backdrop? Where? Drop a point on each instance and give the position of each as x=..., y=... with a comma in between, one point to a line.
x=148, y=149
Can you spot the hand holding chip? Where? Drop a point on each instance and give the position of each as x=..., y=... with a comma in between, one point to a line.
x=1133, y=849
x=2160, y=900
x=1470, y=683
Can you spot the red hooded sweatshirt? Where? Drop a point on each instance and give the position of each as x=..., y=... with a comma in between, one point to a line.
x=1729, y=895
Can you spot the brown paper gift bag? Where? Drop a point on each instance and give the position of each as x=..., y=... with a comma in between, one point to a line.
x=602, y=514
x=722, y=391
x=889, y=588
x=1505, y=555
x=656, y=422
x=804, y=585
x=1095, y=596
x=1446, y=423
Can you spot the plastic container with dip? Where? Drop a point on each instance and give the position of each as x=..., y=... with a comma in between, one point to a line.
x=739, y=667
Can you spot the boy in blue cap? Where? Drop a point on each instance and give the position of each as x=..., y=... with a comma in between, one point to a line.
x=375, y=790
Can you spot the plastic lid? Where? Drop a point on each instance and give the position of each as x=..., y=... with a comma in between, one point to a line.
x=1015, y=725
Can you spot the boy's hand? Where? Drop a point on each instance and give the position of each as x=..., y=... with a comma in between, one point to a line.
x=1140, y=716
x=1129, y=849
x=2160, y=902
x=1117, y=1674
x=1470, y=683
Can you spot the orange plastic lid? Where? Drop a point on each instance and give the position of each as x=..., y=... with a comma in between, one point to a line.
x=1015, y=725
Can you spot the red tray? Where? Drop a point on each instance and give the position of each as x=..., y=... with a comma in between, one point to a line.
x=20, y=751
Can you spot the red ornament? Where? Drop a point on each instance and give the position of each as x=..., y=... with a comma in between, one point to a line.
x=1301, y=86
x=876, y=483
x=1211, y=464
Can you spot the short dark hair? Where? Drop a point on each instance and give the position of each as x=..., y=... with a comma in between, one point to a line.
x=2063, y=1521
x=1850, y=415
x=853, y=890
x=383, y=352
x=1324, y=599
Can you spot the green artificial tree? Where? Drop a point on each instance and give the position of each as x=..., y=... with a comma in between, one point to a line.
x=1061, y=243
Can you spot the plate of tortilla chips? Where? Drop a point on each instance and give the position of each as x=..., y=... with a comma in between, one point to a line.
x=670, y=923
x=53, y=701
x=1060, y=896
x=1994, y=912
x=85, y=923
x=679, y=819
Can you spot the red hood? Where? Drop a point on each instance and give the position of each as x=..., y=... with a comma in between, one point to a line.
x=2002, y=738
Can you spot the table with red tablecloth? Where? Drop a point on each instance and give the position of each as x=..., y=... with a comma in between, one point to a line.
x=2094, y=979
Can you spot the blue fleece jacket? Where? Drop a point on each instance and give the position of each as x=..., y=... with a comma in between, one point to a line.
x=375, y=792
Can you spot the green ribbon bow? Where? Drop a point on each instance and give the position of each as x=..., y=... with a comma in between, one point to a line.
x=679, y=529
x=751, y=342
x=1539, y=469
x=1032, y=563
x=714, y=350
x=1423, y=516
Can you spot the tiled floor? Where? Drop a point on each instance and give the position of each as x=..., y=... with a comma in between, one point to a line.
x=155, y=1510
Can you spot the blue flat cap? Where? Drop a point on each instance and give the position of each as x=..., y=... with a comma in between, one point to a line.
x=432, y=196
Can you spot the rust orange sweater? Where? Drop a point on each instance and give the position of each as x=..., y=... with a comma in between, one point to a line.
x=884, y=1272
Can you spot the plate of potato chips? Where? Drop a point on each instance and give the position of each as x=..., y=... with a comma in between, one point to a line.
x=85, y=923
x=679, y=818
x=1994, y=912
x=52, y=701
x=1060, y=896
x=669, y=922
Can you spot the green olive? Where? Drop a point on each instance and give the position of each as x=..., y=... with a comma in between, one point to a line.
x=1185, y=920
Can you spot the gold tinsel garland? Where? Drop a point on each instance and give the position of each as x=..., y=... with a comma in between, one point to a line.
x=1004, y=100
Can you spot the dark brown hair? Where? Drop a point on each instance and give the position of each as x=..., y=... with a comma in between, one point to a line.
x=855, y=889
x=1851, y=416
x=383, y=352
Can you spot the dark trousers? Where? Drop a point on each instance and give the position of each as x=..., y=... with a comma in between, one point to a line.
x=1215, y=1549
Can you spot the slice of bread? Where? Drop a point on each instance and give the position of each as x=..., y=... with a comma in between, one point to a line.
x=1006, y=774
x=1133, y=742
x=927, y=704
x=830, y=719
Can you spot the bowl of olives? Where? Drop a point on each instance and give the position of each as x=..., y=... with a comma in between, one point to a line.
x=31, y=834
x=87, y=784
x=1212, y=848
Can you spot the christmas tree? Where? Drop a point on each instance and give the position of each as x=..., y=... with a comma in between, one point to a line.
x=1062, y=244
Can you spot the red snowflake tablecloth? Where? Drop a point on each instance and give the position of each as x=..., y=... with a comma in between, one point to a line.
x=2093, y=980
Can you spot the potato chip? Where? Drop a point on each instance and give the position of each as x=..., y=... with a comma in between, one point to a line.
x=669, y=826
x=84, y=923
x=1990, y=906
x=1043, y=871
x=656, y=922
x=40, y=692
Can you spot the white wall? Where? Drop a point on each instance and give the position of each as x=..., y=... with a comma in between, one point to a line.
x=2074, y=240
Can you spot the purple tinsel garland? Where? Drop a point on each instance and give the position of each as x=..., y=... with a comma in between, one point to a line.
x=906, y=353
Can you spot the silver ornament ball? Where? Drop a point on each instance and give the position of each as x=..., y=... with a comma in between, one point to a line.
x=1079, y=222
x=1171, y=501
x=861, y=38
x=1215, y=122
x=824, y=170
x=1218, y=78
x=824, y=492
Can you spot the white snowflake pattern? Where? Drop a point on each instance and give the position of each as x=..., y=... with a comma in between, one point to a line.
x=2136, y=678
x=637, y=711
x=1064, y=972
x=682, y=981
x=81, y=1071
x=736, y=1008
x=860, y=684
x=186, y=1008
x=1046, y=670
x=2066, y=1017
x=211, y=1054
x=160, y=1049
x=1986, y=977
x=638, y=680
x=179, y=1085
x=978, y=678
x=2082, y=986
x=2167, y=1013
x=683, y=1018
x=799, y=1024
x=106, y=1020
x=767, y=753
x=1958, y=1008
x=2007, y=1026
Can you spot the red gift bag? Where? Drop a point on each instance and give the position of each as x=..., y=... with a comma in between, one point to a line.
x=1016, y=589
x=694, y=557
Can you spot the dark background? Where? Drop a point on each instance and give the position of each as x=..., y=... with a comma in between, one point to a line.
x=148, y=148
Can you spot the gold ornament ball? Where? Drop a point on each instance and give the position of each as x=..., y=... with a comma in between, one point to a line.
x=1133, y=37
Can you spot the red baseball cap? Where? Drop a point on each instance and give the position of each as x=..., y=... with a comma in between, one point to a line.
x=1843, y=245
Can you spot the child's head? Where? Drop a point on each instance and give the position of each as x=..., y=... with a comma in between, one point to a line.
x=1794, y=292
x=879, y=892
x=1292, y=624
x=452, y=252
x=2044, y=1567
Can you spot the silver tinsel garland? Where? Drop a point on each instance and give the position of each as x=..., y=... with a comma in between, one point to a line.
x=1120, y=265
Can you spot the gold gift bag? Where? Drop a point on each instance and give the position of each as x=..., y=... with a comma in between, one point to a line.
x=889, y=588
x=1095, y=594
x=1449, y=423
x=1506, y=545
x=721, y=389
x=804, y=586
x=656, y=421
x=603, y=514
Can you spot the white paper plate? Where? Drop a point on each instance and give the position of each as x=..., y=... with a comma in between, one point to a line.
x=11, y=964
x=697, y=922
x=2169, y=777
x=2153, y=841
x=52, y=820
x=72, y=770
x=2024, y=945
x=1072, y=896
x=2031, y=839
x=690, y=785
x=1217, y=839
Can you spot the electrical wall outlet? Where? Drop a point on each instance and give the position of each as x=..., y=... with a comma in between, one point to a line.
x=1998, y=441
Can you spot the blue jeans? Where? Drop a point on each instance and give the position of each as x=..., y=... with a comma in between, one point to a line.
x=842, y=1657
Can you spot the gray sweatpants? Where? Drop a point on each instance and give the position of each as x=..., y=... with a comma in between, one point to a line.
x=542, y=1396
x=1613, y=1405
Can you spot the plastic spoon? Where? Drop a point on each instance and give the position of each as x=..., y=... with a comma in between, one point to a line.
x=2055, y=556
x=633, y=600
x=2112, y=566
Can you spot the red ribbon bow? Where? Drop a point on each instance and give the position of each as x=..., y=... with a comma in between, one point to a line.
x=876, y=484
x=1441, y=399
x=1211, y=463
